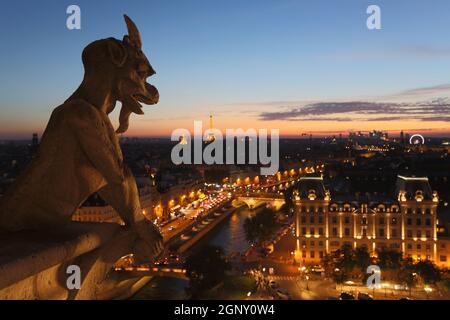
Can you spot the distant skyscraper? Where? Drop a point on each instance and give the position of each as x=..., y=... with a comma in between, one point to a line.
x=183, y=140
x=402, y=137
x=211, y=136
x=35, y=140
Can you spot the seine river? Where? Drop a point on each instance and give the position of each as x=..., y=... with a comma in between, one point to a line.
x=229, y=235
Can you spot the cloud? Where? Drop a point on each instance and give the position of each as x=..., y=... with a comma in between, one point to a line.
x=425, y=51
x=422, y=52
x=433, y=110
x=437, y=118
x=444, y=88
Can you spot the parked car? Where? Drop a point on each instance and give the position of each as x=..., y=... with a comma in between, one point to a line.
x=283, y=294
x=364, y=296
x=273, y=284
x=346, y=296
x=317, y=269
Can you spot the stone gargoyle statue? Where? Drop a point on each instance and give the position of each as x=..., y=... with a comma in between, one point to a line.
x=80, y=153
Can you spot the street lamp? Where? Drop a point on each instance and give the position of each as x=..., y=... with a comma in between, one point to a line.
x=428, y=290
x=307, y=283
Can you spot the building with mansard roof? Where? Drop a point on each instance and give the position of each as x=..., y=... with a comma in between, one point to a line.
x=406, y=221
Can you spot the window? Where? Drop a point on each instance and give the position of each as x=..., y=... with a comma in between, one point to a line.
x=335, y=243
x=334, y=231
x=428, y=234
x=320, y=243
x=443, y=258
x=418, y=221
x=311, y=243
x=303, y=219
x=381, y=232
x=364, y=221
x=428, y=222
x=347, y=232
x=321, y=254
x=334, y=220
x=394, y=221
x=346, y=220
x=409, y=233
x=320, y=209
x=428, y=247
x=320, y=219
x=311, y=231
x=303, y=231
x=409, y=221
x=312, y=254
x=304, y=254
x=394, y=233
x=303, y=243
x=409, y=246
x=381, y=221
x=364, y=232
x=419, y=246
x=320, y=231
x=419, y=234
x=311, y=219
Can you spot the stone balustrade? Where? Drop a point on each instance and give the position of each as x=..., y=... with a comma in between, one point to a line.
x=33, y=265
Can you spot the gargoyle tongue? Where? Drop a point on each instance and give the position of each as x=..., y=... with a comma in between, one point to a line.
x=129, y=105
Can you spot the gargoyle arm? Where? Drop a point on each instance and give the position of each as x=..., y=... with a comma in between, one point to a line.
x=124, y=198
x=92, y=134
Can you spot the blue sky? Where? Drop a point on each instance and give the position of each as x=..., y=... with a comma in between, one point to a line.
x=238, y=59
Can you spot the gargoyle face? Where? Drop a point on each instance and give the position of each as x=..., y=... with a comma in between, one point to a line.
x=133, y=69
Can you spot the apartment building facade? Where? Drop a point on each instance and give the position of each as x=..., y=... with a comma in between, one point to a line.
x=407, y=221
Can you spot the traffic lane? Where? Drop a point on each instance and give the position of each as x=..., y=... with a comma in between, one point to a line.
x=309, y=290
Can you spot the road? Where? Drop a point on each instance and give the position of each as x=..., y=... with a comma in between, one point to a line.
x=175, y=226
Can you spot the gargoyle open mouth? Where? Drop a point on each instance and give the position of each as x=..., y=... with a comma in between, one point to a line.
x=151, y=96
x=147, y=94
x=132, y=104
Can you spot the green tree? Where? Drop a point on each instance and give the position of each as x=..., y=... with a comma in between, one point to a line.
x=340, y=263
x=261, y=226
x=428, y=271
x=206, y=268
x=363, y=259
x=346, y=260
x=407, y=274
x=389, y=259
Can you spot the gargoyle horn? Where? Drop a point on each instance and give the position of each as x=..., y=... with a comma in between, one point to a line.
x=133, y=33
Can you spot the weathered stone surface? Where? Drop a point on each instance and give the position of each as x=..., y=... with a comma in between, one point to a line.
x=79, y=154
x=36, y=264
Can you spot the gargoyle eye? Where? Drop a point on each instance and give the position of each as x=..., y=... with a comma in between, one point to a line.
x=142, y=74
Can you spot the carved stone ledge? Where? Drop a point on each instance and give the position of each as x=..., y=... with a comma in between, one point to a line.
x=33, y=265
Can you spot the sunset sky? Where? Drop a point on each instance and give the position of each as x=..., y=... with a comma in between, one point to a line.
x=295, y=65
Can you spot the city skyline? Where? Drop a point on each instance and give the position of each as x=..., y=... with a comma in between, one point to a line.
x=297, y=66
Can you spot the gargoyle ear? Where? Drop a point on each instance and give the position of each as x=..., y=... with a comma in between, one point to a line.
x=117, y=52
